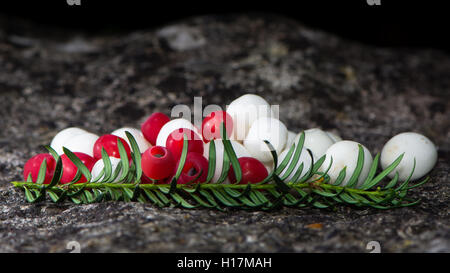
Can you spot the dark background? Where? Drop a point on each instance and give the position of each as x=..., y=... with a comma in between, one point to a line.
x=392, y=24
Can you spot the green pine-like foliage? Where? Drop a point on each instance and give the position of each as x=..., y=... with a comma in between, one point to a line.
x=314, y=189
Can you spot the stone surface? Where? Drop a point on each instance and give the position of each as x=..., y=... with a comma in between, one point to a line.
x=51, y=79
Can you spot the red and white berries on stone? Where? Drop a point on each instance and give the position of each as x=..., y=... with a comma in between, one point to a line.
x=249, y=121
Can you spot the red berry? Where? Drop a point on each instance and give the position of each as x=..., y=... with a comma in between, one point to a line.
x=34, y=164
x=151, y=127
x=253, y=171
x=174, y=142
x=145, y=180
x=70, y=170
x=194, y=163
x=158, y=163
x=109, y=142
x=211, y=125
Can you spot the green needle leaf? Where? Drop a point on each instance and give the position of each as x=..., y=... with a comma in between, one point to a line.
x=56, y=174
x=76, y=200
x=116, y=173
x=419, y=184
x=52, y=152
x=297, y=174
x=225, y=169
x=53, y=196
x=404, y=184
x=359, y=165
x=89, y=196
x=128, y=192
x=212, y=161
x=107, y=166
x=182, y=201
x=233, y=159
x=123, y=159
x=388, y=170
x=348, y=199
x=209, y=197
x=42, y=170
x=393, y=182
x=311, y=168
x=340, y=177
x=285, y=161
x=29, y=196
x=367, y=183
x=296, y=157
x=137, y=159
x=75, y=160
x=153, y=197
x=275, y=163
x=228, y=148
x=79, y=191
x=173, y=184
x=201, y=201
x=281, y=185
x=230, y=202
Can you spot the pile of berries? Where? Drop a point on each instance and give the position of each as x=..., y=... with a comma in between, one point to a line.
x=249, y=121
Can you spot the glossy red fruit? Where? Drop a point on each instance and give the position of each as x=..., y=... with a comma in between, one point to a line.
x=109, y=142
x=253, y=171
x=151, y=127
x=34, y=164
x=211, y=125
x=158, y=163
x=145, y=180
x=194, y=164
x=70, y=170
x=174, y=142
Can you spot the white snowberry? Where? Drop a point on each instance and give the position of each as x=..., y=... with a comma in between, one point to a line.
x=244, y=111
x=171, y=126
x=142, y=143
x=269, y=129
x=83, y=143
x=290, y=140
x=414, y=145
x=304, y=158
x=345, y=154
x=333, y=136
x=62, y=136
x=99, y=166
x=317, y=141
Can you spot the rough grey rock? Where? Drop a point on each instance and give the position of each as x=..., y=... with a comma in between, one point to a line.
x=51, y=79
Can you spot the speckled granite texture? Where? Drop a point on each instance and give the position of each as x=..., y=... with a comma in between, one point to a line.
x=51, y=79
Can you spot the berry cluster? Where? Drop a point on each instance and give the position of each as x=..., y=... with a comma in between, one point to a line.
x=161, y=141
x=249, y=122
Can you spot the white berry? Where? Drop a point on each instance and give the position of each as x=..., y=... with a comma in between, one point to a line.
x=244, y=111
x=269, y=129
x=290, y=140
x=99, y=166
x=62, y=136
x=317, y=141
x=142, y=143
x=171, y=126
x=414, y=145
x=269, y=166
x=304, y=158
x=345, y=154
x=83, y=143
x=333, y=136
x=238, y=148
